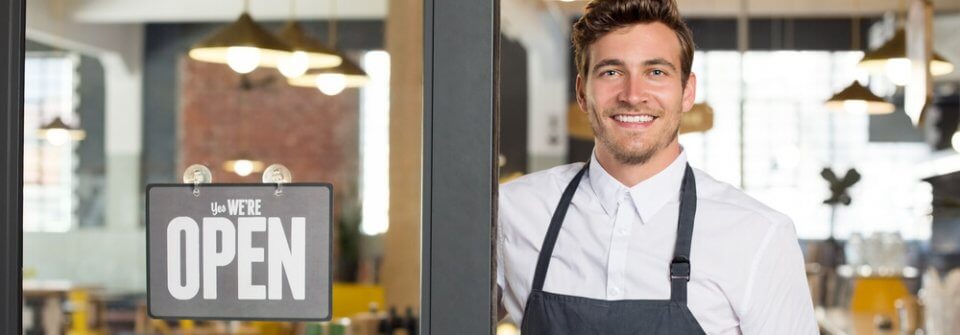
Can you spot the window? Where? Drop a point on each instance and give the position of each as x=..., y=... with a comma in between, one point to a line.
x=49, y=167
x=374, y=144
x=790, y=137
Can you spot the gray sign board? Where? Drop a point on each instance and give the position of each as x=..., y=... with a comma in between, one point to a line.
x=239, y=251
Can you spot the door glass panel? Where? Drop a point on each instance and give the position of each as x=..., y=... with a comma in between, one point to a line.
x=115, y=101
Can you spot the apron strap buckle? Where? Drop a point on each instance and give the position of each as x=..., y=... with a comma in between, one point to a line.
x=680, y=268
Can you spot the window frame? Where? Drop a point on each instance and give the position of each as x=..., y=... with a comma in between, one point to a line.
x=11, y=174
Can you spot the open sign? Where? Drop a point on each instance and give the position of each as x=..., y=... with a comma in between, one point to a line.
x=239, y=251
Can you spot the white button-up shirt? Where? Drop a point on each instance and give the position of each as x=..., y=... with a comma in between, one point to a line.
x=617, y=242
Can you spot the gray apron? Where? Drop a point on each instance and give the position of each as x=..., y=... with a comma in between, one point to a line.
x=555, y=314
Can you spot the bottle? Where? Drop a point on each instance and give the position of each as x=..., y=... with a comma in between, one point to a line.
x=410, y=321
x=383, y=327
x=395, y=320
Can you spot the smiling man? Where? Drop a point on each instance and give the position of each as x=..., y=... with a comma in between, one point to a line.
x=635, y=241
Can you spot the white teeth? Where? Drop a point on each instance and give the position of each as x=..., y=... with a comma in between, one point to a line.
x=633, y=118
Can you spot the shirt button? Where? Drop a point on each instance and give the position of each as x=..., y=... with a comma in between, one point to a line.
x=622, y=231
x=614, y=291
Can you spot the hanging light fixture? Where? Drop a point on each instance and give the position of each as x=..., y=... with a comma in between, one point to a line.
x=58, y=133
x=308, y=53
x=891, y=59
x=243, y=165
x=856, y=98
x=332, y=81
x=243, y=45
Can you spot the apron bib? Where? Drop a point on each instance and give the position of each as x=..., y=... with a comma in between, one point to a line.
x=556, y=314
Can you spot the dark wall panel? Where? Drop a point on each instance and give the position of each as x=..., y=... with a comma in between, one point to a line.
x=513, y=106
x=12, y=16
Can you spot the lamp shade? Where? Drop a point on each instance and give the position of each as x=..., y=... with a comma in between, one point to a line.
x=857, y=98
x=895, y=50
x=58, y=132
x=246, y=38
x=353, y=75
x=317, y=55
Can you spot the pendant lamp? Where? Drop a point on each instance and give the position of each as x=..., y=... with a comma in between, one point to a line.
x=856, y=98
x=59, y=133
x=243, y=165
x=308, y=53
x=891, y=59
x=332, y=81
x=243, y=45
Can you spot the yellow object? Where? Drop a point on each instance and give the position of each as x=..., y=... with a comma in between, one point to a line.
x=352, y=299
x=578, y=123
x=80, y=300
x=272, y=328
x=698, y=119
x=873, y=297
x=187, y=327
x=507, y=328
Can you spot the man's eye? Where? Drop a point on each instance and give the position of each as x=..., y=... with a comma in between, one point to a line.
x=658, y=72
x=608, y=73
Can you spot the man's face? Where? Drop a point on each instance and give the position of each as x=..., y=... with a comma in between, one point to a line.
x=633, y=93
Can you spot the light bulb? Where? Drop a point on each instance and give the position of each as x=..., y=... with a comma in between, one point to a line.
x=898, y=70
x=295, y=64
x=331, y=83
x=57, y=136
x=243, y=59
x=243, y=167
x=955, y=140
x=855, y=106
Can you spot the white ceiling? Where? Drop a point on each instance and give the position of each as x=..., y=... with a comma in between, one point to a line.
x=795, y=8
x=133, y=11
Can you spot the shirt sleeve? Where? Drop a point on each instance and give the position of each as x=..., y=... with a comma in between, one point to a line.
x=501, y=278
x=777, y=294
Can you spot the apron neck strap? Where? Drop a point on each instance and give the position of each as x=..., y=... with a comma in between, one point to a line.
x=680, y=265
x=546, y=251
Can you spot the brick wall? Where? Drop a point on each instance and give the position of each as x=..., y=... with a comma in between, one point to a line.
x=314, y=135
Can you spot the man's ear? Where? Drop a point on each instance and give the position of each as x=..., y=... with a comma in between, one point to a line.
x=689, y=92
x=580, y=92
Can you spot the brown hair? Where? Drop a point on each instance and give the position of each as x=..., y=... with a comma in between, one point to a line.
x=603, y=16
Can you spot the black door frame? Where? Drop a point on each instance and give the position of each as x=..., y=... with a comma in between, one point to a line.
x=460, y=143
x=461, y=49
x=11, y=155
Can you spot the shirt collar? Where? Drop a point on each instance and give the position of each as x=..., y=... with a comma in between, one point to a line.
x=648, y=196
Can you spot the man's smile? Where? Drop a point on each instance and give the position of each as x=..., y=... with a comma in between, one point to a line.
x=640, y=121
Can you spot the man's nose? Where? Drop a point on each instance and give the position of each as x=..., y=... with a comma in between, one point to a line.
x=634, y=91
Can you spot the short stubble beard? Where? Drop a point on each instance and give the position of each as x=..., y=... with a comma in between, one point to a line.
x=624, y=155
